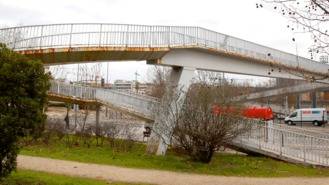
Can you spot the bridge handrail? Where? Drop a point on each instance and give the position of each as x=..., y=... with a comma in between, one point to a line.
x=142, y=104
x=286, y=144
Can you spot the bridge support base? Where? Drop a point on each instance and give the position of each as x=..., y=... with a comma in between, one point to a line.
x=180, y=80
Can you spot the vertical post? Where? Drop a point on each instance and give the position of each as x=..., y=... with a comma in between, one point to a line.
x=127, y=36
x=314, y=99
x=41, y=35
x=71, y=30
x=15, y=37
x=304, y=149
x=298, y=104
x=75, y=106
x=286, y=105
x=78, y=73
x=107, y=73
x=259, y=137
x=281, y=143
x=169, y=36
x=97, y=119
x=100, y=35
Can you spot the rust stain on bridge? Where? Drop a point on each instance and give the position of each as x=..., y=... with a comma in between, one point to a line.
x=271, y=63
x=72, y=100
x=96, y=53
x=89, y=54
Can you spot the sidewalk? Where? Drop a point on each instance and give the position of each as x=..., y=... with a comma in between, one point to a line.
x=113, y=173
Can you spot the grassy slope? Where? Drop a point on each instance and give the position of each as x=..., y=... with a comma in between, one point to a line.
x=26, y=177
x=222, y=164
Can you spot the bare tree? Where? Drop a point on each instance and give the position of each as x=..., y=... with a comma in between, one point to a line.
x=191, y=124
x=159, y=77
x=310, y=16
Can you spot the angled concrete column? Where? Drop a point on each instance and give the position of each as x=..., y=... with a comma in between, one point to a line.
x=180, y=78
x=286, y=105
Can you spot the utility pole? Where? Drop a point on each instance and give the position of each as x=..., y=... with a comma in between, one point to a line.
x=107, y=73
x=78, y=73
x=136, y=82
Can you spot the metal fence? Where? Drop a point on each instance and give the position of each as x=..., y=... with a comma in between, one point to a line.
x=125, y=35
x=286, y=144
x=76, y=91
x=142, y=104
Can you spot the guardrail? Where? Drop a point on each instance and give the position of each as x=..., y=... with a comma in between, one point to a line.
x=286, y=144
x=125, y=35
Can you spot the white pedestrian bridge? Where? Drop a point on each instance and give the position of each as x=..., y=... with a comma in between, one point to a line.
x=182, y=46
x=185, y=49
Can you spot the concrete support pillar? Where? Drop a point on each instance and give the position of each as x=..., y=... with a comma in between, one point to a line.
x=298, y=101
x=286, y=105
x=314, y=99
x=97, y=119
x=180, y=79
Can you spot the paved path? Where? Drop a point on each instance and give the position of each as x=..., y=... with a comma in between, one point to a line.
x=112, y=173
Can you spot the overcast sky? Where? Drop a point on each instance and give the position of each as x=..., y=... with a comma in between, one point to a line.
x=238, y=18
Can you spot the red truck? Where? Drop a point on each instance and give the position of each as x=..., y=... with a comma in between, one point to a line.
x=263, y=113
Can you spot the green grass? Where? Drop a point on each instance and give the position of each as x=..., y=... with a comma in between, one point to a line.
x=26, y=177
x=222, y=164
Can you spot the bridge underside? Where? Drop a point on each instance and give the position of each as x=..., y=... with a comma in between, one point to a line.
x=209, y=60
x=297, y=89
x=197, y=57
x=71, y=100
x=54, y=56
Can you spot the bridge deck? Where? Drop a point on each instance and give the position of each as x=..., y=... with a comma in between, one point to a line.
x=58, y=43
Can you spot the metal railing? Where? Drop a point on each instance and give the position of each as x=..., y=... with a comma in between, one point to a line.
x=125, y=35
x=286, y=144
x=75, y=91
x=141, y=104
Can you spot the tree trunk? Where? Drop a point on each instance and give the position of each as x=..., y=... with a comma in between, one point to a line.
x=202, y=155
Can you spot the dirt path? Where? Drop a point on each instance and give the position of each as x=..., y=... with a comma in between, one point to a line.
x=112, y=173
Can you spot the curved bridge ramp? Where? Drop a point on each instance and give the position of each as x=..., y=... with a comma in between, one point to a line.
x=133, y=104
x=301, y=88
x=288, y=145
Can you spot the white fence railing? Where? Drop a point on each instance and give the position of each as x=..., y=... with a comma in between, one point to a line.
x=142, y=104
x=286, y=144
x=76, y=91
x=125, y=35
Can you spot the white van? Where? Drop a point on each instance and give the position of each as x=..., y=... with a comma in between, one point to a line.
x=317, y=116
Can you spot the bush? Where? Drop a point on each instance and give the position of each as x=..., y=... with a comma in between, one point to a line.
x=23, y=91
